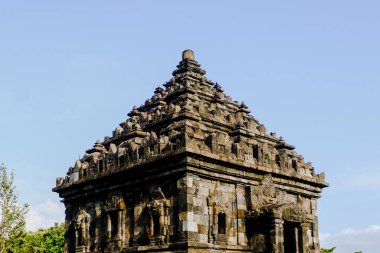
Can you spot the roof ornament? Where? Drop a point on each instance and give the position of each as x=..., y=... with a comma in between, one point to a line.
x=134, y=112
x=218, y=87
x=243, y=105
x=98, y=147
x=243, y=108
x=159, y=89
x=188, y=65
x=281, y=144
x=188, y=54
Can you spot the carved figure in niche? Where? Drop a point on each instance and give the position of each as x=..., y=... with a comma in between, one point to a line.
x=259, y=244
x=264, y=156
x=82, y=228
x=246, y=150
x=284, y=161
x=273, y=153
x=218, y=142
x=133, y=148
x=156, y=219
x=114, y=207
x=251, y=125
x=114, y=202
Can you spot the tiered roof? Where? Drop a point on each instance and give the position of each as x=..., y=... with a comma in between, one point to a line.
x=191, y=114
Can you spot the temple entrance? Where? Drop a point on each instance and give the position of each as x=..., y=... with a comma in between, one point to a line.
x=292, y=237
x=258, y=234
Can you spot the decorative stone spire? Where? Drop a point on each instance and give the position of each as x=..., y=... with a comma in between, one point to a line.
x=158, y=90
x=134, y=112
x=218, y=87
x=188, y=54
x=244, y=108
x=98, y=147
x=188, y=64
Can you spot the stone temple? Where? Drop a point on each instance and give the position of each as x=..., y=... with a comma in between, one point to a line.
x=191, y=170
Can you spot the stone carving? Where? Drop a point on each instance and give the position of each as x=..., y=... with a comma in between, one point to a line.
x=155, y=220
x=265, y=194
x=259, y=243
x=294, y=214
x=82, y=228
x=115, y=201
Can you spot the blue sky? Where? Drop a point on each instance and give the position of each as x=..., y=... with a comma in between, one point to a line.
x=70, y=71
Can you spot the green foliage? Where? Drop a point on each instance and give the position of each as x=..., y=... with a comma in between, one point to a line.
x=328, y=250
x=13, y=238
x=332, y=250
x=49, y=240
x=12, y=215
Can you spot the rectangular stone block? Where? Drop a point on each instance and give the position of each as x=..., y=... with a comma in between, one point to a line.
x=202, y=229
x=241, y=212
x=203, y=238
x=190, y=226
x=242, y=239
x=186, y=216
x=203, y=191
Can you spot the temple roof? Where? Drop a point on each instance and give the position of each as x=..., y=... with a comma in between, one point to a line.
x=191, y=113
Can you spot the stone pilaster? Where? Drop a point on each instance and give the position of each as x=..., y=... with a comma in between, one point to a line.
x=68, y=229
x=240, y=215
x=123, y=227
x=277, y=235
x=305, y=228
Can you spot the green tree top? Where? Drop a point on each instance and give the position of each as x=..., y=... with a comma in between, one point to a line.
x=328, y=250
x=12, y=215
x=49, y=240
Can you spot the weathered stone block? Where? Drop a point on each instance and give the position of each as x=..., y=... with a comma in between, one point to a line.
x=190, y=226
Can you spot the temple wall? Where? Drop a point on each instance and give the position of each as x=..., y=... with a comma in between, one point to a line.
x=207, y=202
x=193, y=209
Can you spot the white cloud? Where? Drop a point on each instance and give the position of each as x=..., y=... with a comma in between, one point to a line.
x=366, y=179
x=352, y=240
x=44, y=215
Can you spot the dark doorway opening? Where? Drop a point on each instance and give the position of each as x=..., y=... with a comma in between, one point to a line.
x=258, y=234
x=114, y=223
x=222, y=223
x=292, y=237
x=156, y=224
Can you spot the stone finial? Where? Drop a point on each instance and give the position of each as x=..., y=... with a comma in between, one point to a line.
x=243, y=108
x=158, y=90
x=98, y=147
x=188, y=54
x=243, y=105
x=218, y=87
x=188, y=65
x=134, y=112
